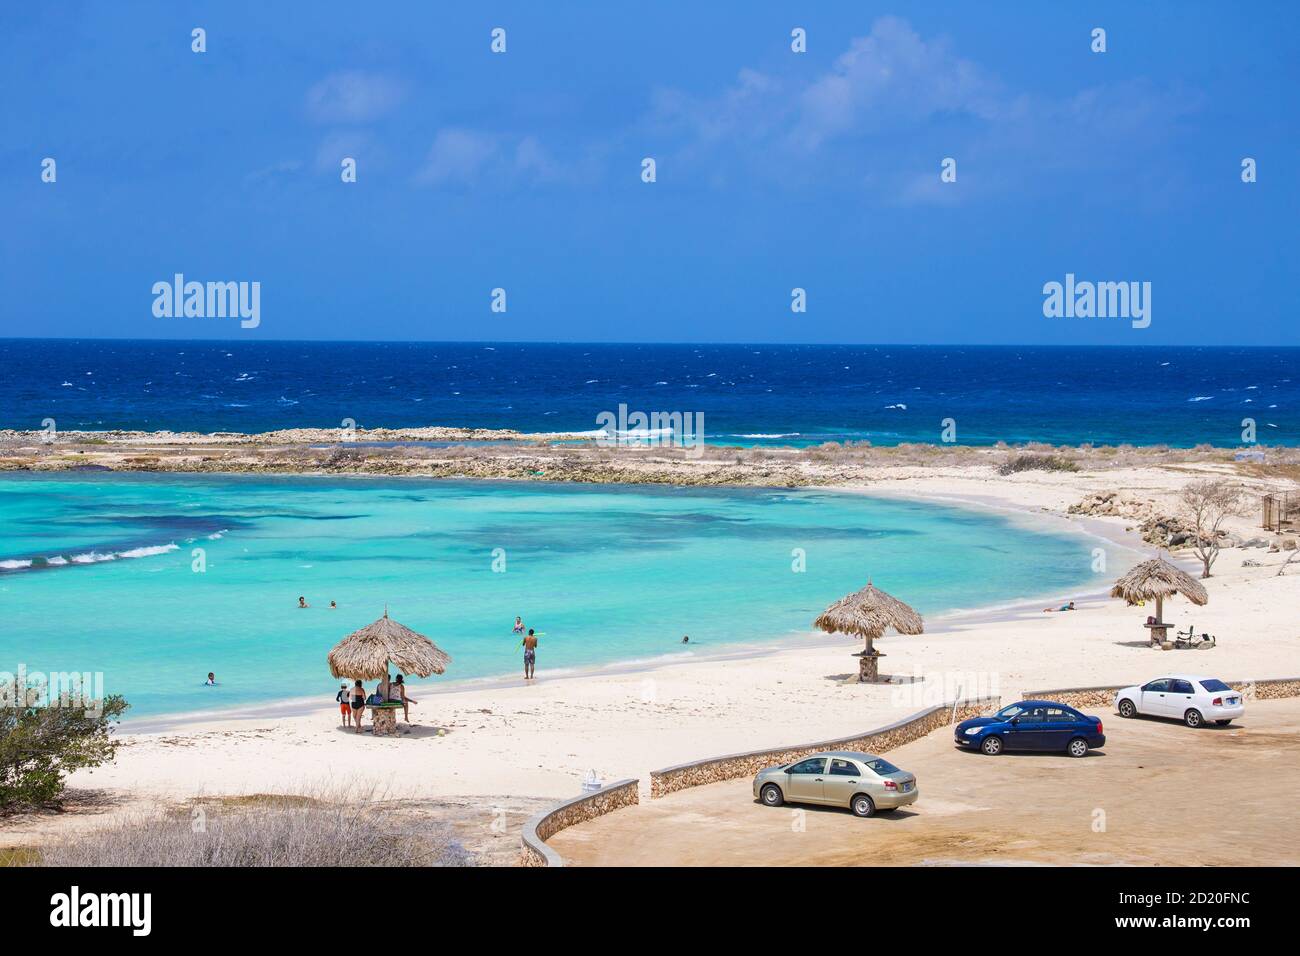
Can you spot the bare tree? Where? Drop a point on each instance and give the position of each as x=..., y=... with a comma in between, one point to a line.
x=1207, y=504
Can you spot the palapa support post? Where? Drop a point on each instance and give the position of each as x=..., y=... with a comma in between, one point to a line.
x=383, y=721
x=868, y=669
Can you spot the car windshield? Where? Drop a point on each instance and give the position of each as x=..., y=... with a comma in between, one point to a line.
x=881, y=767
x=1214, y=685
x=1006, y=713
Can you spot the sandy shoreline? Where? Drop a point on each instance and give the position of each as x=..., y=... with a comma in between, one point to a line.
x=703, y=654
x=495, y=743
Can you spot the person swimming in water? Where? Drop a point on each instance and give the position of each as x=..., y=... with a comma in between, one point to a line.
x=519, y=625
x=302, y=602
x=211, y=681
x=686, y=638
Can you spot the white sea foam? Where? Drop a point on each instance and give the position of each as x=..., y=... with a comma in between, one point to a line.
x=14, y=565
x=56, y=561
x=770, y=435
x=644, y=433
x=148, y=552
x=1201, y=398
x=92, y=557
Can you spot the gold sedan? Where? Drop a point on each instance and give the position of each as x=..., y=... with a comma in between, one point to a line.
x=838, y=778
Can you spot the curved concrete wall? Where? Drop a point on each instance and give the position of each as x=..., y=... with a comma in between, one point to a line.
x=542, y=827
x=711, y=770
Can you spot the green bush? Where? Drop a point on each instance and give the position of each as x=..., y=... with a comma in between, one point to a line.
x=1036, y=463
x=39, y=746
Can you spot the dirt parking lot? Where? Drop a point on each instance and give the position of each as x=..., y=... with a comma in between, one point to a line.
x=1158, y=794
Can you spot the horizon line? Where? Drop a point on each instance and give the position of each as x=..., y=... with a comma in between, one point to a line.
x=579, y=342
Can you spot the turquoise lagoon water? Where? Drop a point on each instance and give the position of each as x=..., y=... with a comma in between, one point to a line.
x=96, y=573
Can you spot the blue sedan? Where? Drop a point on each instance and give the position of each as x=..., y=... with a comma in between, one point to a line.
x=1032, y=725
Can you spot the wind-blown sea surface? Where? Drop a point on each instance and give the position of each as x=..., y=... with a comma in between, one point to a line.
x=155, y=580
x=760, y=394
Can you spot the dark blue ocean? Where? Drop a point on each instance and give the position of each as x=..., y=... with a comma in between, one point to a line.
x=748, y=394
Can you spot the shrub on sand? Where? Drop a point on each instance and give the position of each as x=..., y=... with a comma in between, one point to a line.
x=265, y=830
x=1020, y=463
x=41, y=745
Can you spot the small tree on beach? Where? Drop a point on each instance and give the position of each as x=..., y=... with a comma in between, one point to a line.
x=40, y=745
x=1207, y=504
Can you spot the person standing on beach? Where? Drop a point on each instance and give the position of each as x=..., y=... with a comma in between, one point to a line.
x=530, y=654
x=345, y=704
x=358, y=703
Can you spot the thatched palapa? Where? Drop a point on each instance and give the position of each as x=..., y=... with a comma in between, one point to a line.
x=1156, y=580
x=868, y=614
x=365, y=654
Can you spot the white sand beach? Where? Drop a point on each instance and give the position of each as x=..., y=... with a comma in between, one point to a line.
x=501, y=742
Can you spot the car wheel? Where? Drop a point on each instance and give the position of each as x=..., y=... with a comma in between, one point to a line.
x=1126, y=708
x=1078, y=747
x=1223, y=723
x=862, y=805
x=771, y=796
x=1193, y=718
x=992, y=746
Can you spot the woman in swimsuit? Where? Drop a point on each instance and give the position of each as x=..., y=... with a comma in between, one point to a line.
x=358, y=704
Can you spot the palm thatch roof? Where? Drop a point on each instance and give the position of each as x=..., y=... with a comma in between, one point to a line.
x=1155, y=579
x=366, y=653
x=869, y=613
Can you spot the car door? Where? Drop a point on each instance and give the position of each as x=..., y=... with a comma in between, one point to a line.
x=1181, y=697
x=1155, y=698
x=1025, y=732
x=806, y=781
x=843, y=780
x=1059, y=725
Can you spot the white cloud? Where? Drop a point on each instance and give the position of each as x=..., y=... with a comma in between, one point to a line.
x=352, y=96
x=461, y=156
x=893, y=77
x=458, y=156
x=276, y=171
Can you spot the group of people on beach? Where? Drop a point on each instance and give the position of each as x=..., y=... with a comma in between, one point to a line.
x=352, y=701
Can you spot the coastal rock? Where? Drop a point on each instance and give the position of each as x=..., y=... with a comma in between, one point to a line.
x=1112, y=504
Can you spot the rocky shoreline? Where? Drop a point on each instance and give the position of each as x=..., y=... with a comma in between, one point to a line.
x=447, y=452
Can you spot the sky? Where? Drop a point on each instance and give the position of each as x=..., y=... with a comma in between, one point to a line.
x=774, y=170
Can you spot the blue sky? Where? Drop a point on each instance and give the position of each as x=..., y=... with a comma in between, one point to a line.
x=775, y=169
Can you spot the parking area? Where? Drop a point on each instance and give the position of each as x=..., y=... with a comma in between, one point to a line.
x=1158, y=794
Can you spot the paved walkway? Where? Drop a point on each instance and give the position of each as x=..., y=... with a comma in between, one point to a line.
x=1158, y=794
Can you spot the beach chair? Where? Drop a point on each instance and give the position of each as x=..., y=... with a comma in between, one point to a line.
x=1189, y=638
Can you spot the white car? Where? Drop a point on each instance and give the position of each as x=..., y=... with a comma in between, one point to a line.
x=1189, y=697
